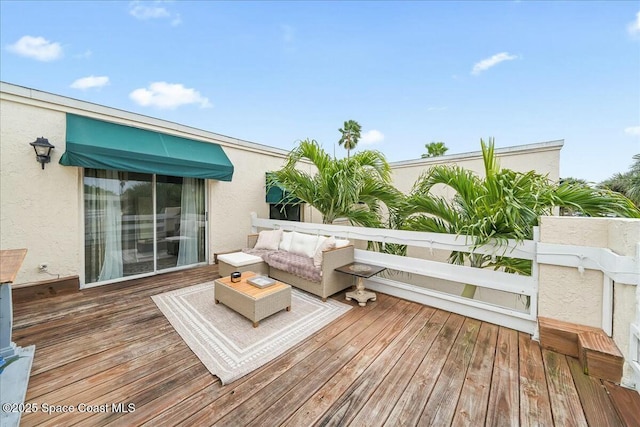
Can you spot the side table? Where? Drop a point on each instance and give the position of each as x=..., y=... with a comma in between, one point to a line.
x=361, y=271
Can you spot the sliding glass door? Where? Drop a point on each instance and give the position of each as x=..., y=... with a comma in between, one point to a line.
x=141, y=223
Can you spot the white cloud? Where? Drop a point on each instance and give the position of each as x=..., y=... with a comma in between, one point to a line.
x=634, y=27
x=168, y=96
x=487, y=63
x=153, y=10
x=371, y=137
x=89, y=82
x=37, y=48
x=632, y=130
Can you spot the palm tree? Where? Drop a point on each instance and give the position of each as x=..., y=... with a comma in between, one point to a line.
x=628, y=183
x=435, y=149
x=350, y=135
x=354, y=188
x=503, y=205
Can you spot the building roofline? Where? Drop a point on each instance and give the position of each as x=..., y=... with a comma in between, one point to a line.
x=68, y=104
x=555, y=145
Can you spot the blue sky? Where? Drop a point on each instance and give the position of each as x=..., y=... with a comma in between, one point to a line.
x=408, y=72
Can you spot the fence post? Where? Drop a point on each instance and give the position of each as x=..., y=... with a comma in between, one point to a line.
x=535, y=275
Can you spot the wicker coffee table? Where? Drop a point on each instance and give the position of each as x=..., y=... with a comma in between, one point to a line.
x=252, y=302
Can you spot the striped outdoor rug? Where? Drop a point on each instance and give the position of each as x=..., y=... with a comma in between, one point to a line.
x=227, y=343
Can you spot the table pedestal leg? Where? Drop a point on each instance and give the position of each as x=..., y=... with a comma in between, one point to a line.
x=361, y=294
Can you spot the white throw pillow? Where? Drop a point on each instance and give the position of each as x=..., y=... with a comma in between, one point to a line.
x=327, y=243
x=285, y=243
x=341, y=243
x=303, y=244
x=269, y=240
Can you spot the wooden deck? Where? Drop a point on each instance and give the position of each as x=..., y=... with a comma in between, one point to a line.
x=392, y=362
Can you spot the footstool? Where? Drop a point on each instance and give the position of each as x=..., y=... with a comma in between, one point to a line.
x=240, y=261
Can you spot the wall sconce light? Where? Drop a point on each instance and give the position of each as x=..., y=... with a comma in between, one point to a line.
x=42, y=148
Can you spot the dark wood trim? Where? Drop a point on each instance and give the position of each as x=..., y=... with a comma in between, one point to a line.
x=45, y=289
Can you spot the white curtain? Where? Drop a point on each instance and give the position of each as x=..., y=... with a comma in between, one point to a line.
x=111, y=228
x=191, y=212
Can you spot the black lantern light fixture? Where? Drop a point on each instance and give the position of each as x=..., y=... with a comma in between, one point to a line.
x=43, y=150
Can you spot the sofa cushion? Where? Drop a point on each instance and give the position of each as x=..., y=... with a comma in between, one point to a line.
x=303, y=244
x=269, y=240
x=285, y=243
x=298, y=265
x=325, y=244
x=341, y=243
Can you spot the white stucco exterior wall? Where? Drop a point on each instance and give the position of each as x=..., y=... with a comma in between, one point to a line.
x=542, y=157
x=39, y=208
x=568, y=295
x=42, y=210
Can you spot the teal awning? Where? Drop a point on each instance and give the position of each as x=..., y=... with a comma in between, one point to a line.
x=276, y=195
x=98, y=144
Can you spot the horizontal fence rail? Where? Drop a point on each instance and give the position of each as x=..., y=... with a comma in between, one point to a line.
x=615, y=269
x=523, y=286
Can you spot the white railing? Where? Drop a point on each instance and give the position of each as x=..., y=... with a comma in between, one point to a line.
x=525, y=286
x=615, y=268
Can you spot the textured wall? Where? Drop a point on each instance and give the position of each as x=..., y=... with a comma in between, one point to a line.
x=543, y=158
x=40, y=209
x=568, y=295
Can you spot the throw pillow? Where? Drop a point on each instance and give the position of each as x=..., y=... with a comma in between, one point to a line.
x=269, y=240
x=285, y=243
x=303, y=244
x=341, y=243
x=327, y=244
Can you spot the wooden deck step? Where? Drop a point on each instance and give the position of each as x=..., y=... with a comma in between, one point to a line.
x=599, y=356
x=560, y=336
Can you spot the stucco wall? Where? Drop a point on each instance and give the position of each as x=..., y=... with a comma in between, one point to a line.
x=542, y=157
x=42, y=209
x=39, y=208
x=568, y=295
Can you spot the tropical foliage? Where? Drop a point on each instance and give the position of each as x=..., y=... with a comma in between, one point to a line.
x=435, y=149
x=502, y=205
x=350, y=135
x=355, y=188
x=627, y=183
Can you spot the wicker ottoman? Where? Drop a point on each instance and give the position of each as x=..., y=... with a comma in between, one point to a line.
x=239, y=261
x=250, y=301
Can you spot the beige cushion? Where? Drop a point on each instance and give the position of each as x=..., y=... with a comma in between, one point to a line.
x=269, y=240
x=327, y=243
x=239, y=259
x=303, y=244
x=341, y=243
x=285, y=243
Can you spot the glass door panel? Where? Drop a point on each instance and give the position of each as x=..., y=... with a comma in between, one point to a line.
x=181, y=221
x=126, y=236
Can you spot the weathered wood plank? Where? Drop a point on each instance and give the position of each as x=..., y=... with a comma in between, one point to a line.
x=626, y=403
x=598, y=408
x=349, y=404
x=117, y=347
x=441, y=406
x=535, y=408
x=409, y=406
x=296, y=370
x=504, y=399
x=344, y=361
x=474, y=397
x=284, y=391
x=376, y=410
x=565, y=403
